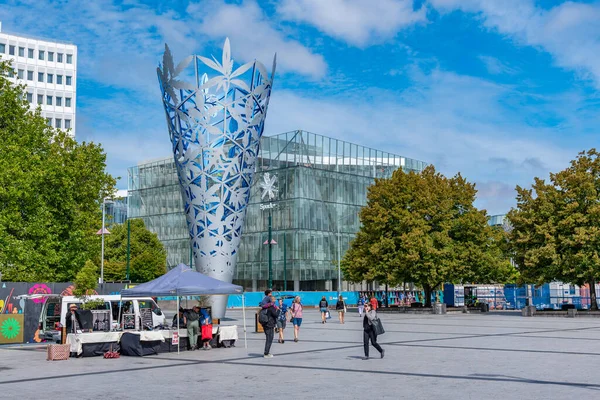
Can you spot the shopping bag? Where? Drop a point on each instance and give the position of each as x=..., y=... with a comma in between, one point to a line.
x=207, y=332
x=328, y=315
x=377, y=326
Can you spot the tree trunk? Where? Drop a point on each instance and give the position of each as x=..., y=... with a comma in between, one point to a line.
x=427, y=290
x=593, y=303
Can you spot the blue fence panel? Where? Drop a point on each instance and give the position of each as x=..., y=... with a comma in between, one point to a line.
x=307, y=298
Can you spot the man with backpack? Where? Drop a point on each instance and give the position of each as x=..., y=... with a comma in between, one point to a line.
x=267, y=317
x=190, y=319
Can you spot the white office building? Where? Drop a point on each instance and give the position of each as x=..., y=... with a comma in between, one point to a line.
x=49, y=69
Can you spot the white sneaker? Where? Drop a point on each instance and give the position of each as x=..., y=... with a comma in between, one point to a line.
x=268, y=356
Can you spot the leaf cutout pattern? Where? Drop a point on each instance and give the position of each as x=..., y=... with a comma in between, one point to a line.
x=215, y=126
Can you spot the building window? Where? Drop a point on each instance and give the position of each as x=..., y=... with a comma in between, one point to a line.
x=48, y=100
x=67, y=124
x=41, y=54
x=11, y=50
x=21, y=74
x=69, y=58
x=50, y=56
x=30, y=97
x=29, y=75
x=68, y=81
x=49, y=121
x=40, y=77
x=59, y=79
x=67, y=102
x=59, y=101
x=59, y=57
x=30, y=53
x=2, y=48
x=40, y=99
x=58, y=123
x=50, y=78
x=21, y=51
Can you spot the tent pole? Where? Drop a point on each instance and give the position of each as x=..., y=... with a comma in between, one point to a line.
x=177, y=316
x=244, y=313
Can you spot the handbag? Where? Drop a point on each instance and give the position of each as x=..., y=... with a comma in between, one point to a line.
x=207, y=332
x=377, y=326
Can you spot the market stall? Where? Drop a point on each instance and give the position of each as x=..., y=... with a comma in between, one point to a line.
x=184, y=281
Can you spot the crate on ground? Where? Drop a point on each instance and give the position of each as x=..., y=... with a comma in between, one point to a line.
x=58, y=352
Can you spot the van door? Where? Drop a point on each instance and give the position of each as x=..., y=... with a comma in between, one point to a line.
x=50, y=318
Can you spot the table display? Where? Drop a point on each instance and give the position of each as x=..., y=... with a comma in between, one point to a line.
x=92, y=343
x=142, y=343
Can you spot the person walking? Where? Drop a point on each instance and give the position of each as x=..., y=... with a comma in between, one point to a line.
x=190, y=319
x=361, y=305
x=323, y=305
x=369, y=332
x=340, y=307
x=296, y=311
x=269, y=327
x=282, y=320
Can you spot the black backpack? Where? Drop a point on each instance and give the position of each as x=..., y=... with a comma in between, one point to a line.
x=263, y=316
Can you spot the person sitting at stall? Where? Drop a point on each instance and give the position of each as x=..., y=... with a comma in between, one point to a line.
x=181, y=319
x=73, y=323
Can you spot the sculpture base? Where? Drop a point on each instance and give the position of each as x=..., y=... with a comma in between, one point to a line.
x=221, y=268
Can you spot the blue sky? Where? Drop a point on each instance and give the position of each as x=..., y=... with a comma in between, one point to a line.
x=501, y=91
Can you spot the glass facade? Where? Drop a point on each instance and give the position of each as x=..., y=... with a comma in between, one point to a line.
x=322, y=184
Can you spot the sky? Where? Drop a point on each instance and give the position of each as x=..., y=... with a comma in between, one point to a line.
x=499, y=91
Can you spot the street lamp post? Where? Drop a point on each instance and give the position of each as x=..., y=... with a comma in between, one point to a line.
x=102, y=232
x=270, y=250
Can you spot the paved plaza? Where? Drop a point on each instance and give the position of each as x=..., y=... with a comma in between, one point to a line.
x=459, y=356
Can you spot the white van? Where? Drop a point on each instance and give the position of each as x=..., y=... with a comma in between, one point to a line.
x=117, y=313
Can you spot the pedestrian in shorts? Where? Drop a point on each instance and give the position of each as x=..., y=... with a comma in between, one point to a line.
x=282, y=320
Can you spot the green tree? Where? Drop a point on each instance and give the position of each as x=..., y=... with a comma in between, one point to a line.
x=556, y=226
x=86, y=280
x=148, y=255
x=423, y=228
x=50, y=192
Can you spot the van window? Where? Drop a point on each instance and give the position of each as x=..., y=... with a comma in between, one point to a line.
x=147, y=304
x=52, y=314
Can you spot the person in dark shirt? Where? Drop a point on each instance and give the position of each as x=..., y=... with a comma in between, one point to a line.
x=267, y=299
x=323, y=305
x=191, y=321
x=72, y=321
x=269, y=327
x=181, y=319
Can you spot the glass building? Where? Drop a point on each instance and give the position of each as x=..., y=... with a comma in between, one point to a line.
x=321, y=185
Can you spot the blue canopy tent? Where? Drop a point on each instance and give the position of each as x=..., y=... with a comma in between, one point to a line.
x=184, y=281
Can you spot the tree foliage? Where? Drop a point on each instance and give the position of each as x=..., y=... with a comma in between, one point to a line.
x=86, y=280
x=50, y=192
x=556, y=225
x=423, y=228
x=148, y=257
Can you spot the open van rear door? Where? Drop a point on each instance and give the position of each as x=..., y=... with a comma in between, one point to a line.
x=49, y=315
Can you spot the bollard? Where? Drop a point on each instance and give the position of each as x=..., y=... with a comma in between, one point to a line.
x=528, y=311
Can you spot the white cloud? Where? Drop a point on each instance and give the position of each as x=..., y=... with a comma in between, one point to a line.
x=570, y=31
x=356, y=21
x=495, y=66
x=254, y=36
x=458, y=123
